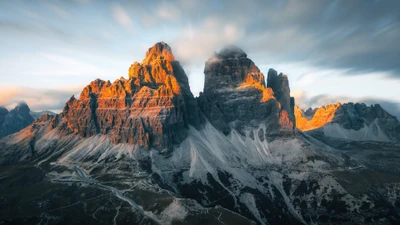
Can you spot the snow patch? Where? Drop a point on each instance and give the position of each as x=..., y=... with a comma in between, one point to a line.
x=368, y=133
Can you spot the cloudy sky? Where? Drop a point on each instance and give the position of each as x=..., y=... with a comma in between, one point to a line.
x=331, y=50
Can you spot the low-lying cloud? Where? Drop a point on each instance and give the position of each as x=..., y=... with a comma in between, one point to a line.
x=37, y=99
x=304, y=101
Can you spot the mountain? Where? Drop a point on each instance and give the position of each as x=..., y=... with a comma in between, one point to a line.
x=143, y=150
x=14, y=120
x=350, y=121
x=38, y=114
x=153, y=108
x=235, y=97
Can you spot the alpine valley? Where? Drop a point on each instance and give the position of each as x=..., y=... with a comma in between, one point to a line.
x=144, y=150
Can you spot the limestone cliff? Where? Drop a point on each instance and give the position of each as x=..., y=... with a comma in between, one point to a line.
x=235, y=97
x=153, y=108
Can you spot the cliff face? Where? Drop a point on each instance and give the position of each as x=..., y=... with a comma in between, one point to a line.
x=15, y=120
x=314, y=119
x=369, y=121
x=280, y=85
x=153, y=108
x=235, y=96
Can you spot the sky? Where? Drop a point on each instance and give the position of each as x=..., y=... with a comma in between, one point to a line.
x=331, y=50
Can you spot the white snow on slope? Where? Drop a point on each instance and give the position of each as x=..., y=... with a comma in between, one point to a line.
x=250, y=162
x=367, y=133
x=249, y=201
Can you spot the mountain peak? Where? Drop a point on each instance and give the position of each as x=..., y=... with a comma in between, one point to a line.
x=22, y=107
x=151, y=109
x=15, y=120
x=160, y=50
x=3, y=111
x=280, y=85
x=231, y=51
x=235, y=95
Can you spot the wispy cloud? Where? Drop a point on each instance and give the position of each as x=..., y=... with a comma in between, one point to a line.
x=37, y=99
x=122, y=17
x=199, y=43
x=304, y=101
x=66, y=66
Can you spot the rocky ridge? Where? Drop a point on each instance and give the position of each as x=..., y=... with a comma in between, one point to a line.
x=236, y=97
x=84, y=165
x=350, y=116
x=154, y=107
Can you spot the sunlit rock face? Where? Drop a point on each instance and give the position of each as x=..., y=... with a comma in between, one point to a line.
x=371, y=122
x=235, y=96
x=15, y=120
x=280, y=85
x=153, y=108
x=313, y=119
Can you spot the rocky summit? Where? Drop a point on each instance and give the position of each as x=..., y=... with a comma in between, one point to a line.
x=15, y=120
x=144, y=150
x=350, y=121
x=153, y=108
x=235, y=97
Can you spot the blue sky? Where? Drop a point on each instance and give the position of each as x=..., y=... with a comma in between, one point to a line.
x=331, y=50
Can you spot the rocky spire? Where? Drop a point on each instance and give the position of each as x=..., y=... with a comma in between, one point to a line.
x=231, y=51
x=152, y=109
x=160, y=51
x=280, y=86
x=235, y=96
x=230, y=68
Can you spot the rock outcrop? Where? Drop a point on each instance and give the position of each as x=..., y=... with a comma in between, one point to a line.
x=153, y=108
x=15, y=120
x=314, y=119
x=372, y=121
x=280, y=85
x=235, y=97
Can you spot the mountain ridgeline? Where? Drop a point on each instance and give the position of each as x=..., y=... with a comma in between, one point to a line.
x=14, y=120
x=144, y=150
x=154, y=107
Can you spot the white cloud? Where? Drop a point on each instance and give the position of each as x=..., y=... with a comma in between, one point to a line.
x=304, y=101
x=37, y=99
x=122, y=17
x=60, y=65
x=199, y=43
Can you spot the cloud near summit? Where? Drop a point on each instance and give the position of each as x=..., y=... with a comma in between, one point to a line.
x=348, y=38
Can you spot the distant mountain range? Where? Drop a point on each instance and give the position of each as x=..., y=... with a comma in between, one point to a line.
x=144, y=150
x=38, y=114
x=18, y=118
x=350, y=121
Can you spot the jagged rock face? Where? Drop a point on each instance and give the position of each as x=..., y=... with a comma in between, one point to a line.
x=15, y=120
x=350, y=116
x=280, y=85
x=235, y=96
x=319, y=117
x=153, y=108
